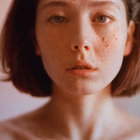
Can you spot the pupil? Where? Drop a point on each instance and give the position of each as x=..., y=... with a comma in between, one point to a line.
x=102, y=18
x=59, y=19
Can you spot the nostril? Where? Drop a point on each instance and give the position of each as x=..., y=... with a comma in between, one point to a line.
x=76, y=47
x=87, y=48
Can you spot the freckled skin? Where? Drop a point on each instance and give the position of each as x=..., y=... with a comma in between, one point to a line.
x=81, y=108
x=105, y=52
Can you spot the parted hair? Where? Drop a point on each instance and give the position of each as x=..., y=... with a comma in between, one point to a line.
x=25, y=69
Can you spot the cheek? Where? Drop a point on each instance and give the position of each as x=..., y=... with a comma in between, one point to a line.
x=110, y=46
x=50, y=42
x=53, y=51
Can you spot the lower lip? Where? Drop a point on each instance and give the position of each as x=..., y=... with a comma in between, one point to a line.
x=82, y=73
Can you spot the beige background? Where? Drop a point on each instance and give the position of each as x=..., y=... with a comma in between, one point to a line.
x=13, y=103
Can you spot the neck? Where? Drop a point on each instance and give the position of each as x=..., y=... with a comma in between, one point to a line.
x=80, y=114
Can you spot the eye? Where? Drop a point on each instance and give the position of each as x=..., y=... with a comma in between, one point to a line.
x=102, y=19
x=57, y=19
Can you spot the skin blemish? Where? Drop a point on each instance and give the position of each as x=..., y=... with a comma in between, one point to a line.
x=107, y=44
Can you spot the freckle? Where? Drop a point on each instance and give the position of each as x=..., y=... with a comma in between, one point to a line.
x=107, y=44
x=103, y=38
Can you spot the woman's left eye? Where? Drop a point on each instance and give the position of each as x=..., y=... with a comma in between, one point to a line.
x=102, y=19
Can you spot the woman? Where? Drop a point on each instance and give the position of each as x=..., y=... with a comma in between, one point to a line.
x=81, y=53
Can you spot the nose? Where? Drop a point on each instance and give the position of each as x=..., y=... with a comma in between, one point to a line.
x=82, y=35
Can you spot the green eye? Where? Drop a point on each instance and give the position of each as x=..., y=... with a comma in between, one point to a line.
x=57, y=19
x=102, y=19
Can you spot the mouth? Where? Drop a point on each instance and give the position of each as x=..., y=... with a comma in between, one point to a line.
x=82, y=69
x=82, y=66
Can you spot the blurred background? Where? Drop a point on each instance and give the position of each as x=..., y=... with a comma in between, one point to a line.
x=13, y=103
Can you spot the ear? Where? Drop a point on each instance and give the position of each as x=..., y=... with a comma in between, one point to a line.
x=130, y=38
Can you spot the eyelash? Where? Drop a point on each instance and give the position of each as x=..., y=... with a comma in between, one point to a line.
x=62, y=19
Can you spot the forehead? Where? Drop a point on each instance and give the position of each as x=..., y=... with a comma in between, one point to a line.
x=75, y=1
x=66, y=3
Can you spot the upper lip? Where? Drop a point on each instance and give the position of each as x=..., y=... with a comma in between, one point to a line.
x=80, y=65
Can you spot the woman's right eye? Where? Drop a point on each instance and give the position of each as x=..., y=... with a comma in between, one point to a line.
x=56, y=19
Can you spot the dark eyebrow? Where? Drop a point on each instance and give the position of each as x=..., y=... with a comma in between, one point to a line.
x=55, y=3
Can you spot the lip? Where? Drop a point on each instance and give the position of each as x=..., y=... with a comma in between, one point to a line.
x=86, y=70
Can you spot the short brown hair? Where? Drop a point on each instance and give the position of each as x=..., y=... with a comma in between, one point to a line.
x=128, y=79
x=25, y=69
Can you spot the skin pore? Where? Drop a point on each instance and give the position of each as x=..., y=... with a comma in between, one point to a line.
x=70, y=33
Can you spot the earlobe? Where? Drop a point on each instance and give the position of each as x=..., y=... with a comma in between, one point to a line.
x=130, y=38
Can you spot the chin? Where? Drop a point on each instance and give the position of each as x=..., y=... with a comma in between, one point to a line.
x=90, y=89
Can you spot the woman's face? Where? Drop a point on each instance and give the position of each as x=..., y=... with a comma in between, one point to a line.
x=82, y=42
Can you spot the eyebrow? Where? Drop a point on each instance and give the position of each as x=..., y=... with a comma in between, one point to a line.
x=90, y=4
x=55, y=3
x=103, y=3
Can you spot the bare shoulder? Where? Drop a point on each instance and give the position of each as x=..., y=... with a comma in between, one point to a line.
x=5, y=132
x=135, y=134
x=129, y=128
x=132, y=135
x=9, y=132
x=23, y=127
x=13, y=130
